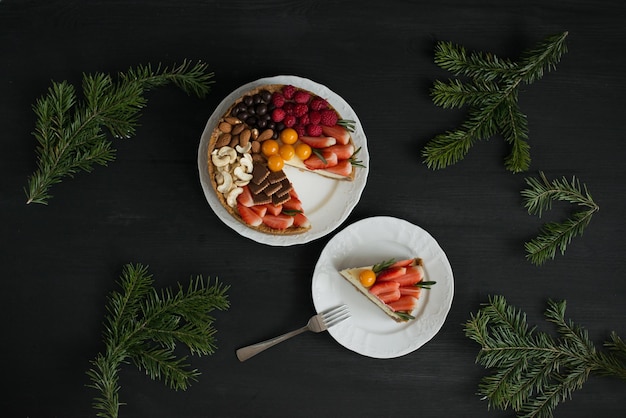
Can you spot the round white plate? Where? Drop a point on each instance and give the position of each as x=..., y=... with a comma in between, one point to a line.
x=327, y=203
x=369, y=331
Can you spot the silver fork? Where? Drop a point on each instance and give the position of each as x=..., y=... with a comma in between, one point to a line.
x=318, y=323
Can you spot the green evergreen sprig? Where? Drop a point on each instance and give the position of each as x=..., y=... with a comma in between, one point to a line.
x=144, y=326
x=556, y=236
x=491, y=95
x=71, y=133
x=532, y=372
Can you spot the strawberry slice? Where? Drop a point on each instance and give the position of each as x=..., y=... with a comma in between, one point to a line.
x=390, y=274
x=300, y=220
x=388, y=297
x=341, y=134
x=343, y=151
x=314, y=162
x=411, y=291
x=318, y=141
x=260, y=210
x=274, y=209
x=293, y=204
x=412, y=276
x=403, y=263
x=383, y=287
x=249, y=216
x=343, y=168
x=404, y=303
x=281, y=221
x=245, y=198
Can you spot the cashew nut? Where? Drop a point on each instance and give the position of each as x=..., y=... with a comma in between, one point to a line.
x=241, y=174
x=219, y=160
x=246, y=163
x=227, y=184
x=231, y=199
x=228, y=151
x=245, y=149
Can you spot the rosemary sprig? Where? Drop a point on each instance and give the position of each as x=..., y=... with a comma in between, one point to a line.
x=491, y=95
x=383, y=265
x=556, y=236
x=532, y=372
x=70, y=133
x=144, y=326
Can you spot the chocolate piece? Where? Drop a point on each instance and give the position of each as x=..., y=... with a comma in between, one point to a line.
x=279, y=200
x=285, y=187
x=260, y=172
x=261, y=199
x=272, y=188
x=257, y=188
x=276, y=176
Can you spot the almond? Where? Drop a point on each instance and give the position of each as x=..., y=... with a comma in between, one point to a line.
x=222, y=140
x=238, y=128
x=256, y=147
x=232, y=120
x=234, y=141
x=244, y=137
x=265, y=135
x=225, y=127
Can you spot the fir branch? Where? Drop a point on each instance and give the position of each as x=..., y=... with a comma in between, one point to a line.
x=71, y=133
x=532, y=372
x=145, y=326
x=491, y=95
x=556, y=236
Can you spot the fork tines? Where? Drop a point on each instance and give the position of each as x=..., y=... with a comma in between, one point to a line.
x=335, y=315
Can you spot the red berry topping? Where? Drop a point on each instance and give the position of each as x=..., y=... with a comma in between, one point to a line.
x=290, y=121
x=319, y=104
x=301, y=96
x=315, y=117
x=288, y=107
x=300, y=109
x=289, y=91
x=329, y=117
x=313, y=130
x=304, y=119
x=278, y=99
x=278, y=115
x=300, y=130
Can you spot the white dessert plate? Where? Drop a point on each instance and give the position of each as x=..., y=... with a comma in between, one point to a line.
x=369, y=331
x=327, y=203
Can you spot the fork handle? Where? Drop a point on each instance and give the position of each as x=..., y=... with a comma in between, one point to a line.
x=245, y=353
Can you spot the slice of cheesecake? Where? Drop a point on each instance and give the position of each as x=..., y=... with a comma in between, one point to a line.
x=394, y=286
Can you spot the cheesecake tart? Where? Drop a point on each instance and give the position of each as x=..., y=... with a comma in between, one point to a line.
x=264, y=130
x=393, y=286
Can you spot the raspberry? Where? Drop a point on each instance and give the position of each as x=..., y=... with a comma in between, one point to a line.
x=289, y=91
x=304, y=119
x=289, y=106
x=301, y=97
x=314, y=130
x=289, y=121
x=319, y=104
x=278, y=115
x=300, y=130
x=315, y=117
x=300, y=109
x=278, y=99
x=329, y=117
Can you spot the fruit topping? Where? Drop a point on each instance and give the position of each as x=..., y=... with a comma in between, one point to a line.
x=275, y=162
x=321, y=160
x=280, y=221
x=303, y=151
x=319, y=141
x=367, y=278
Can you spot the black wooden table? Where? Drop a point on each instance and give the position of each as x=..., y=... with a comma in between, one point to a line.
x=59, y=262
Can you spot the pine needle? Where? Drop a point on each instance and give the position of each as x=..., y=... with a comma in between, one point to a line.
x=491, y=95
x=556, y=236
x=531, y=371
x=71, y=133
x=145, y=326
